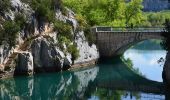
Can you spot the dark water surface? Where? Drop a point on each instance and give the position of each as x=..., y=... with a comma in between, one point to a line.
x=134, y=76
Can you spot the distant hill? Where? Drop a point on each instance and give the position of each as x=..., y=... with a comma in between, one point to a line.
x=156, y=5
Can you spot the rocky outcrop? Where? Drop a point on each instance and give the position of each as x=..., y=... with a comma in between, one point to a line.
x=46, y=55
x=86, y=52
x=4, y=52
x=43, y=52
x=24, y=63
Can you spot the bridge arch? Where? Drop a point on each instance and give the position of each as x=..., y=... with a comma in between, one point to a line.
x=122, y=48
x=113, y=42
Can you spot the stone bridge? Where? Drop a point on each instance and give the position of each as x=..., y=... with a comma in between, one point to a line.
x=114, y=41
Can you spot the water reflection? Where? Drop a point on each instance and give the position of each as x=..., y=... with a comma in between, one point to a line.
x=146, y=59
x=107, y=81
x=110, y=80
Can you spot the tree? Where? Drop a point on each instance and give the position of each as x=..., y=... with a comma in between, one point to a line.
x=114, y=9
x=133, y=11
x=4, y=5
x=166, y=34
x=10, y=32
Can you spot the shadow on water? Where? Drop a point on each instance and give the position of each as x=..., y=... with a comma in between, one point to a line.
x=109, y=80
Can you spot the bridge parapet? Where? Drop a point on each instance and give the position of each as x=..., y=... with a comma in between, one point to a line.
x=125, y=29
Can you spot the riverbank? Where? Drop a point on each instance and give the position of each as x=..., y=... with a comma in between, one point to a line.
x=77, y=66
x=83, y=65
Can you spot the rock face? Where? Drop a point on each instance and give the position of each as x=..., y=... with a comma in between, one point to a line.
x=24, y=64
x=46, y=55
x=43, y=53
x=166, y=70
x=86, y=52
x=4, y=52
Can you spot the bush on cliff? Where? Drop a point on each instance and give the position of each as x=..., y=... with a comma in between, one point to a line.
x=44, y=9
x=20, y=20
x=63, y=29
x=74, y=52
x=4, y=5
x=10, y=32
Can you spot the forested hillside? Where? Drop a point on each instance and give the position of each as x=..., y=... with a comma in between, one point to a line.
x=116, y=13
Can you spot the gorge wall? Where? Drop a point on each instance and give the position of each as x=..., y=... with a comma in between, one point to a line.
x=38, y=48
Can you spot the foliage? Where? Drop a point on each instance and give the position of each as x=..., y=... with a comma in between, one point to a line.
x=44, y=9
x=166, y=34
x=4, y=5
x=63, y=29
x=81, y=21
x=133, y=12
x=89, y=36
x=107, y=12
x=20, y=19
x=10, y=31
x=74, y=51
x=157, y=19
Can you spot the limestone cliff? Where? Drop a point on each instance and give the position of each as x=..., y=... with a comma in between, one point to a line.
x=37, y=47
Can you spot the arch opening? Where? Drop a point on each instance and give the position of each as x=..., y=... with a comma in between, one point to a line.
x=147, y=57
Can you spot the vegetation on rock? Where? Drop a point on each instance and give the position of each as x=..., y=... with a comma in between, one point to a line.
x=9, y=32
x=166, y=34
x=4, y=5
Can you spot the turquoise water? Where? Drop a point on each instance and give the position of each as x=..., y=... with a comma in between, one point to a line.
x=111, y=79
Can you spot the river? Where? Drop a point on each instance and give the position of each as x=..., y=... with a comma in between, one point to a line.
x=127, y=77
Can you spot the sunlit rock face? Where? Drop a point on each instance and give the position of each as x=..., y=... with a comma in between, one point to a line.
x=86, y=52
x=45, y=52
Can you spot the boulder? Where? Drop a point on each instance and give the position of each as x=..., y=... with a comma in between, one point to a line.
x=24, y=64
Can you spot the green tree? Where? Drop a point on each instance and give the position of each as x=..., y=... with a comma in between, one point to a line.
x=133, y=11
x=10, y=32
x=166, y=34
x=4, y=5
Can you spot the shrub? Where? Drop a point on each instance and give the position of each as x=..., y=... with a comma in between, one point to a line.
x=10, y=32
x=4, y=5
x=74, y=52
x=63, y=29
x=20, y=19
x=89, y=36
x=81, y=21
x=44, y=9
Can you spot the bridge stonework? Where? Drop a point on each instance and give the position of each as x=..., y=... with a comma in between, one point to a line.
x=111, y=43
